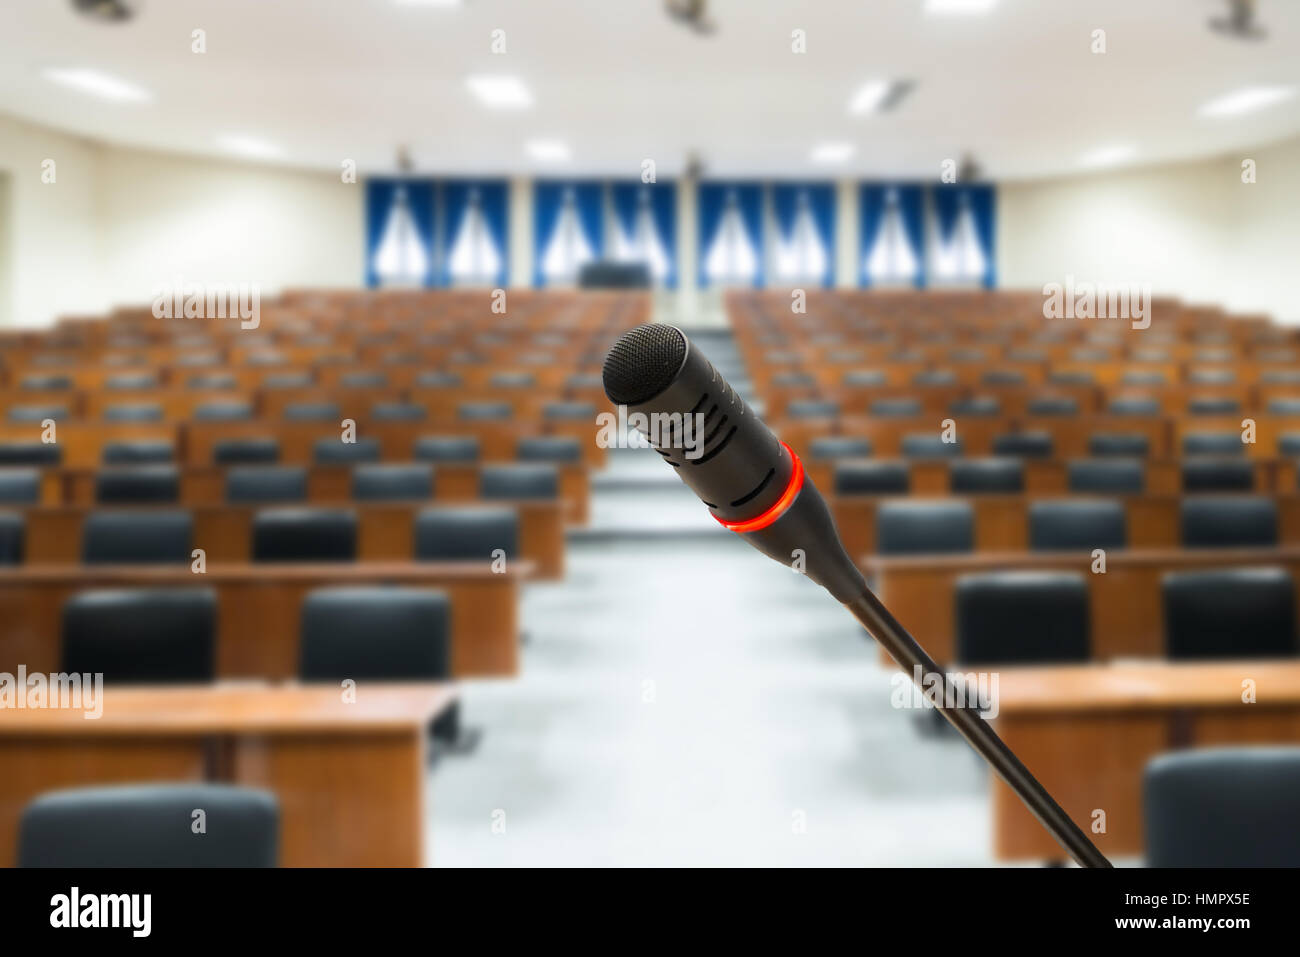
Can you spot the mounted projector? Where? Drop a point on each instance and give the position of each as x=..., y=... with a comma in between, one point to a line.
x=1240, y=22
x=692, y=13
x=107, y=11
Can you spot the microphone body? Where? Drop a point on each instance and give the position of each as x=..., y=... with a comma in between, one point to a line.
x=752, y=483
x=755, y=485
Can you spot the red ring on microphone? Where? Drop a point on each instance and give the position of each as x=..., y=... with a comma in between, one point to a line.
x=778, y=508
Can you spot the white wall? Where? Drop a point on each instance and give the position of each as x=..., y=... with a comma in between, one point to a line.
x=53, y=261
x=1192, y=230
x=163, y=218
x=116, y=224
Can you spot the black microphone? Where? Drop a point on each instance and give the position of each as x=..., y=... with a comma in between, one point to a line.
x=751, y=481
x=755, y=485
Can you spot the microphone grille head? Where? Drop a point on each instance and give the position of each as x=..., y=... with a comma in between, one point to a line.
x=643, y=362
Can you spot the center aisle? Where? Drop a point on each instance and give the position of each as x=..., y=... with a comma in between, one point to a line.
x=684, y=701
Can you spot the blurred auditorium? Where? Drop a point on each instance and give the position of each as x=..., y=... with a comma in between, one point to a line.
x=322, y=544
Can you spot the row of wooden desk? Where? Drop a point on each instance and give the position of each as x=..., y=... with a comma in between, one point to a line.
x=348, y=771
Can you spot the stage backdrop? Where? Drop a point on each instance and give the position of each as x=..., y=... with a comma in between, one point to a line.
x=891, y=219
x=643, y=227
x=802, y=250
x=962, y=236
x=568, y=218
x=400, y=233
x=731, y=234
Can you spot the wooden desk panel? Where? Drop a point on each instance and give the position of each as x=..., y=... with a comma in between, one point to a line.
x=259, y=609
x=1087, y=733
x=349, y=777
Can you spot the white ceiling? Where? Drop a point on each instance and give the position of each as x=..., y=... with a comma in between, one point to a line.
x=326, y=80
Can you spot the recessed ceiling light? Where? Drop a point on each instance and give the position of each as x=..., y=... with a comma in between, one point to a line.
x=547, y=151
x=1247, y=100
x=98, y=84
x=500, y=92
x=831, y=152
x=1108, y=155
x=959, y=8
x=869, y=96
x=249, y=146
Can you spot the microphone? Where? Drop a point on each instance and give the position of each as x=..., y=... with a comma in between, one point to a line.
x=755, y=485
x=750, y=480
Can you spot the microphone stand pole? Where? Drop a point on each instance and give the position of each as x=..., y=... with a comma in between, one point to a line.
x=903, y=648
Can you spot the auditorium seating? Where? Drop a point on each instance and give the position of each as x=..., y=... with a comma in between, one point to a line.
x=151, y=826
x=1223, y=807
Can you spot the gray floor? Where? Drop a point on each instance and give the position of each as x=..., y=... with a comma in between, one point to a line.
x=685, y=701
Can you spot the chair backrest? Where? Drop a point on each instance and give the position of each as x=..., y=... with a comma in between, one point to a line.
x=137, y=537
x=484, y=411
x=1071, y=524
x=264, y=451
x=1213, y=443
x=522, y=480
x=142, y=635
x=1229, y=613
x=376, y=633
x=569, y=412
x=812, y=409
x=839, y=447
x=398, y=412
x=266, y=483
x=138, y=485
x=1218, y=475
x=1213, y=405
x=549, y=448
x=304, y=535
x=1223, y=807
x=134, y=412
x=336, y=452
x=1229, y=521
x=922, y=527
x=969, y=476
x=446, y=448
x=1036, y=445
x=1106, y=475
x=12, y=528
x=150, y=826
x=223, y=412
x=976, y=405
x=20, y=486
x=387, y=483
x=1133, y=405
x=30, y=453
x=466, y=533
x=872, y=478
x=312, y=412
x=895, y=408
x=1022, y=618
x=1131, y=444
x=37, y=413
x=1053, y=405
x=139, y=452
x=924, y=445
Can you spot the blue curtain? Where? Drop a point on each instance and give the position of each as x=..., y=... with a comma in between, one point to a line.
x=872, y=201
x=549, y=198
x=492, y=199
x=949, y=199
x=626, y=199
x=787, y=199
x=381, y=196
x=717, y=198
